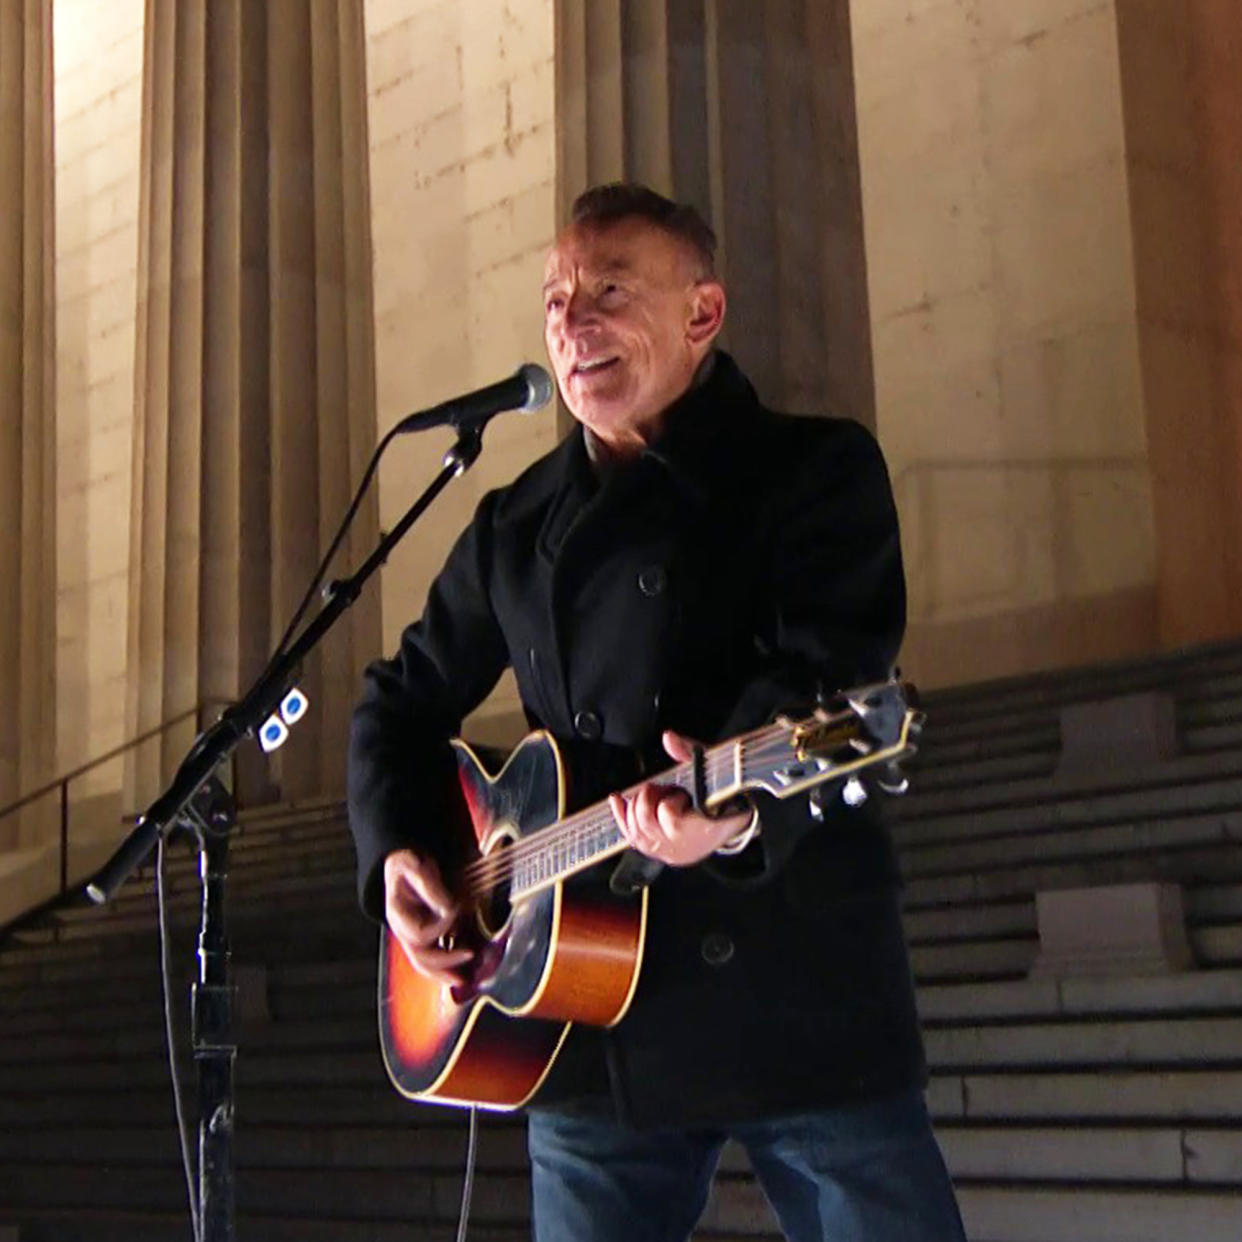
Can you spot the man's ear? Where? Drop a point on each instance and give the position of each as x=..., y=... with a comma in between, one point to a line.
x=707, y=312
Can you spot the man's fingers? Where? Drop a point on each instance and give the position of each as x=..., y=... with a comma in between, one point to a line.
x=416, y=923
x=440, y=965
x=421, y=913
x=421, y=876
x=678, y=747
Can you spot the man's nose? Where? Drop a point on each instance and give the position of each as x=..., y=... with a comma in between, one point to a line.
x=579, y=310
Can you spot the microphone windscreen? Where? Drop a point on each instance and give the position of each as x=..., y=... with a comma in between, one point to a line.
x=538, y=387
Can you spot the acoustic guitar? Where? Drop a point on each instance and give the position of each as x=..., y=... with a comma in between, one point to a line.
x=546, y=957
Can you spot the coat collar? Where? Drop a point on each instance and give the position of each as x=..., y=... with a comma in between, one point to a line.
x=707, y=430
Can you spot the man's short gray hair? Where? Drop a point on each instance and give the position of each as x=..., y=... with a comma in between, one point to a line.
x=624, y=200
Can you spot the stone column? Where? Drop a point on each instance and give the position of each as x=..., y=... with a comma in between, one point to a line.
x=1180, y=66
x=254, y=406
x=747, y=110
x=27, y=425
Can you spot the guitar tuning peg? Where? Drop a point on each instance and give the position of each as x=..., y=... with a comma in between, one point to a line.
x=892, y=779
x=854, y=792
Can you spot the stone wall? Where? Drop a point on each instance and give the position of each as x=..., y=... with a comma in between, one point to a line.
x=463, y=212
x=1008, y=381
x=98, y=89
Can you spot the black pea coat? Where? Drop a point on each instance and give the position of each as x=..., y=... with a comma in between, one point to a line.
x=745, y=562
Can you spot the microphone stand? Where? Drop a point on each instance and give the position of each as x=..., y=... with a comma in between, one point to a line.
x=197, y=800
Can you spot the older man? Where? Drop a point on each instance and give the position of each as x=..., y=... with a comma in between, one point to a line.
x=686, y=565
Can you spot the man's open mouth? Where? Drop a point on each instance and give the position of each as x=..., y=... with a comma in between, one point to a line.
x=593, y=366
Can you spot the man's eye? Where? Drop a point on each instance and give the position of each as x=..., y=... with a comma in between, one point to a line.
x=553, y=304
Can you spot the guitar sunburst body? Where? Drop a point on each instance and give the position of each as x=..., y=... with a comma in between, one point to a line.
x=552, y=958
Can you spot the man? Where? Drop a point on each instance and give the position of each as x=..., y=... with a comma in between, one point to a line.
x=686, y=565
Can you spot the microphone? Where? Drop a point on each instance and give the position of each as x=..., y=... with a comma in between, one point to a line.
x=528, y=390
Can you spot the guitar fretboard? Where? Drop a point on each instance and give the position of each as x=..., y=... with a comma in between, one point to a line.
x=581, y=840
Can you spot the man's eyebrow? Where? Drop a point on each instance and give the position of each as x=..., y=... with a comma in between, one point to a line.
x=616, y=267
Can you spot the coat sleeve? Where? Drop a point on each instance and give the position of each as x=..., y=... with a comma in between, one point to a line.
x=833, y=618
x=400, y=766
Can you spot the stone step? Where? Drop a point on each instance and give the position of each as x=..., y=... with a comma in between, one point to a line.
x=1195, y=668
x=1053, y=1214
x=370, y=1103
x=1222, y=830
x=992, y=959
x=1190, y=783
x=330, y=870
x=422, y=1198
x=261, y=1066
x=345, y=1052
x=1082, y=1095
x=1218, y=991
x=1033, y=755
x=99, y=1225
x=1013, y=957
x=501, y=1146
x=1108, y=1043
x=1193, y=1156
x=265, y=933
x=1189, y=866
x=132, y=986
x=250, y=897
x=1207, y=904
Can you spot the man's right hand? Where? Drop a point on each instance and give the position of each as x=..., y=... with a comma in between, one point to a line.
x=420, y=912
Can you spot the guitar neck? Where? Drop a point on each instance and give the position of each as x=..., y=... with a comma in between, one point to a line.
x=590, y=836
x=872, y=725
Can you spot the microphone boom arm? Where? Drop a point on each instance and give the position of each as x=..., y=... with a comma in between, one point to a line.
x=243, y=718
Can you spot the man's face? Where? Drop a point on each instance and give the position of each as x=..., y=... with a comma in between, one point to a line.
x=625, y=325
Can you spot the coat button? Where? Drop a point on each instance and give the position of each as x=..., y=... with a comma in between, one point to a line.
x=588, y=725
x=652, y=580
x=716, y=948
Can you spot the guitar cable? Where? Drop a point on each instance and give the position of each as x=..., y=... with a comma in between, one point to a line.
x=183, y=1132
x=467, y=1182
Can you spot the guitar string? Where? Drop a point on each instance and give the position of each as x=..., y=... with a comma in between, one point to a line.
x=487, y=872
x=574, y=831
x=583, y=825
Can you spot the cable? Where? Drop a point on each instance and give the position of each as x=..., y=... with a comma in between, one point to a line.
x=467, y=1185
x=300, y=611
x=183, y=1133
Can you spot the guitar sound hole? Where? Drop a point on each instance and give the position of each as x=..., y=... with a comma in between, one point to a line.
x=495, y=907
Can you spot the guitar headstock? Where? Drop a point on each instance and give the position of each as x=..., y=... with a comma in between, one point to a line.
x=873, y=726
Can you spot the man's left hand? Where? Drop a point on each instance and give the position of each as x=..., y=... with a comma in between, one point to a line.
x=660, y=821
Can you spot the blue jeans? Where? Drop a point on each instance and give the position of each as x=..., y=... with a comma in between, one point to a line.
x=861, y=1173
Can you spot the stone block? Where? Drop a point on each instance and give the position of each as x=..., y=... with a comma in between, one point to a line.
x=1117, y=736
x=1129, y=929
x=1063, y=1154
x=252, y=1000
x=1190, y=1041
x=1002, y=1214
x=1214, y=1156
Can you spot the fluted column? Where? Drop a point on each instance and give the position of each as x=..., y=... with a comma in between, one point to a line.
x=255, y=367
x=27, y=423
x=1180, y=65
x=746, y=110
